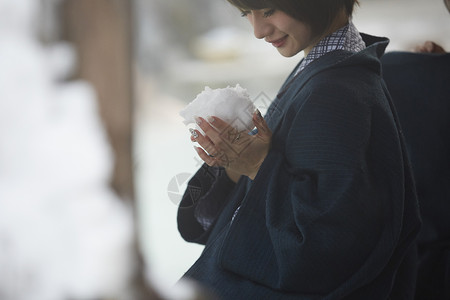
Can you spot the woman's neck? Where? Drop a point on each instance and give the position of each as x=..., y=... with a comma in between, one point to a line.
x=339, y=21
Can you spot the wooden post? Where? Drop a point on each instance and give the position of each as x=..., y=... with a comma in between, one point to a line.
x=101, y=31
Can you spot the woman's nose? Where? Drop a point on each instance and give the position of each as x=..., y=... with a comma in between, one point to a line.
x=261, y=28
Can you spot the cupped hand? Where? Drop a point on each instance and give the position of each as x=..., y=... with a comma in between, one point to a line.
x=429, y=47
x=237, y=151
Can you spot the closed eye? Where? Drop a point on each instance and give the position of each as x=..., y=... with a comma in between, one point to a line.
x=244, y=13
x=269, y=12
x=266, y=14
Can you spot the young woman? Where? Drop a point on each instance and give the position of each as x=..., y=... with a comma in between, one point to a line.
x=318, y=202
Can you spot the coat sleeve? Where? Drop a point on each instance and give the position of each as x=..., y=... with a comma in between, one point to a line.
x=325, y=210
x=202, y=202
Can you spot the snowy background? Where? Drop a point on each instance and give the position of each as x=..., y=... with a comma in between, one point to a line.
x=211, y=45
x=64, y=234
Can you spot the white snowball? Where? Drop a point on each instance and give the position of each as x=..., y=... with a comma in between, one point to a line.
x=233, y=105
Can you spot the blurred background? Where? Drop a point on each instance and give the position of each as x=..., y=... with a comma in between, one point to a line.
x=94, y=157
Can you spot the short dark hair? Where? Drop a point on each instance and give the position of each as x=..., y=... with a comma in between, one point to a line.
x=319, y=14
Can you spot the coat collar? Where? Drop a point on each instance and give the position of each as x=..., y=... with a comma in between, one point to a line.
x=369, y=57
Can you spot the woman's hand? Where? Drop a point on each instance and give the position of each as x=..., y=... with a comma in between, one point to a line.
x=238, y=152
x=429, y=47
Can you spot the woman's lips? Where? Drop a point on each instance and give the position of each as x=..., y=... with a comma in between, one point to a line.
x=279, y=43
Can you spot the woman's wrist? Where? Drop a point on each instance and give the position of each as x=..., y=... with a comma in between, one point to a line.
x=257, y=168
x=234, y=176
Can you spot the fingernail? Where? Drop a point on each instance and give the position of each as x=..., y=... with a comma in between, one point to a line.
x=193, y=133
x=211, y=119
x=198, y=120
x=258, y=115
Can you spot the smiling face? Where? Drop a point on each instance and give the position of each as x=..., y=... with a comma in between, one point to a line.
x=288, y=35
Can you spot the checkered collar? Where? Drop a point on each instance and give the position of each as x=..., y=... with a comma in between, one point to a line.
x=346, y=38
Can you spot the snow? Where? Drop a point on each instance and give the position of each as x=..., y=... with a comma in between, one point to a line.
x=63, y=232
x=231, y=104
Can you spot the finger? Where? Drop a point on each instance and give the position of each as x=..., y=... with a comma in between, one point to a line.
x=205, y=142
x=219, y=124
x=264, y=131
x=227, y=132
x=205, y=126
x=210, y=161
x=211, y=132
x=432, y=47
x=429, y=46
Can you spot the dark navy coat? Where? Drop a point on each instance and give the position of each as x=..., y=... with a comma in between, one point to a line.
x=332, y=212
x=420, y=88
